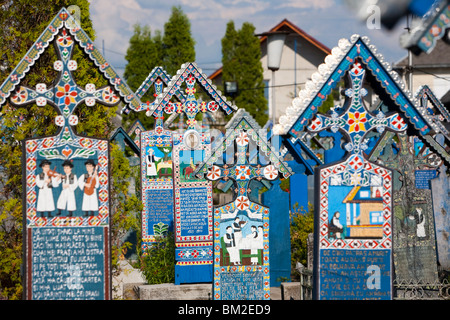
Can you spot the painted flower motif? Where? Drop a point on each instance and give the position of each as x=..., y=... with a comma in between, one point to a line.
x=212, y=106
x=190, y=90
x=203, y=107
x=170, y=108
x=242, y=139
x=398, y=123
x=109, y=95
x=214, y=173
x=270, y=172
x=242, y=172
x=242, y=202
x=356, y=121
x=20, y=96
x=190, y=80
x=65, y=40
x=191, y=107
x=66, y=94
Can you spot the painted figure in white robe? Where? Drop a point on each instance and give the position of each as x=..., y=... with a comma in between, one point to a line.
x=421, y=233
x=237, y=226
x=69, y=182
x=253, y=240
x=89, y=183
x=45, y=182
x=150, y=161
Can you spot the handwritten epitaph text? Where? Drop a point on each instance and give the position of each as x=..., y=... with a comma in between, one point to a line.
x=67, y=263
x=159, y=207
x=194, y=211
x=355, y=274
x=423, y=177
x=233, y=289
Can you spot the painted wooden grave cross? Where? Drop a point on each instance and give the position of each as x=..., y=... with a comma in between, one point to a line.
x=354, y=199
x=241, y=228
x=156, y=165
x=414, y=234
x=193, y=214
x=438, y=117
x=440, y=190
x=66, y=176
x=354, y=196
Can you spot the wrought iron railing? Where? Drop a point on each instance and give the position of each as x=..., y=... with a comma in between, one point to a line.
x=403, y=289
x=421, y=290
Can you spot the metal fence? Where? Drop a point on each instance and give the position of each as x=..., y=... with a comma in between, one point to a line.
x=402, y=290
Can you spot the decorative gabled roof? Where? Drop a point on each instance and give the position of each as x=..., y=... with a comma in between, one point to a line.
x=305, y=106
x=242, y=120
x=287, y=25
x=152, y=79
x=182, y=75
x=120, y=135
x=438, y=117
x=64, y=20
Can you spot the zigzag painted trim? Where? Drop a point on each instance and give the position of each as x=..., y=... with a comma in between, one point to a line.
x=191, y=68
x=64, y=19
x=305, y=106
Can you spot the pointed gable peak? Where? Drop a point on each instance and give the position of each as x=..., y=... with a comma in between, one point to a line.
x=191, y=72
x=64, y=20
x=342, y=58
x=242, y=115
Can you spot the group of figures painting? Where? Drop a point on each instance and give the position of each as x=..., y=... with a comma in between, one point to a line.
x=66, y=185
x=374, y=217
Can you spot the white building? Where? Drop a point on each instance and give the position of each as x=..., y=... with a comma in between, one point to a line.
x=431, y=69
x=301, y=56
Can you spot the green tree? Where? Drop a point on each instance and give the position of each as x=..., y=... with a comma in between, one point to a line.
x=241, y=58
x=22, y=23
x=125, y=205
x=302, y=224
x=143, y=54
x=178, y=44
x=158, y=264
x=230, y=62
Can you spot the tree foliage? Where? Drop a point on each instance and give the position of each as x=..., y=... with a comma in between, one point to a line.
x=170, y=50
x=143, y=54
x=302, y=224
x=125, y=205
x=178, y=44
x=241, y=60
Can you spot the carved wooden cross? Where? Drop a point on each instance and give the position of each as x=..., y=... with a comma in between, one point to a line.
x=357, y=120
x=190, y=74
x=243, y=171
x=65, y=94
x=414, y=225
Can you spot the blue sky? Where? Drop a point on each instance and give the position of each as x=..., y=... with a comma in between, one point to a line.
x=326, y=20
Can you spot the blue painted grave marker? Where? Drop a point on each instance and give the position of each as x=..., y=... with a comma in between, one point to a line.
x=241, y=227
x=193, y=214
x=66, y=176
